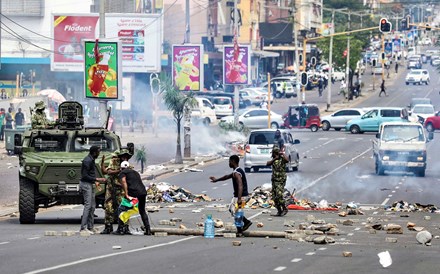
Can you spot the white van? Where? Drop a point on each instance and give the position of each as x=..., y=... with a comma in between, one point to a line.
x=204, y=111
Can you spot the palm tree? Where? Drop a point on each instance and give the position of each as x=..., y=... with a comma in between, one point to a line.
x=141, y=156
x=176, y=101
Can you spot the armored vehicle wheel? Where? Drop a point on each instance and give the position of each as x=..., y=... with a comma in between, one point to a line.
x=26, y=203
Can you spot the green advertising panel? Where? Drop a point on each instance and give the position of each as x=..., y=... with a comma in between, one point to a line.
x=102, y=65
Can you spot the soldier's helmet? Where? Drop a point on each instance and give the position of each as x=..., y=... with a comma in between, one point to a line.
x=40, y=105
x=115, y=154
x=126, y=153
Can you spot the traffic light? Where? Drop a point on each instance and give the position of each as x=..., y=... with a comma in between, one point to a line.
x=373, y=62
x=384, y=25
x=428, y=27
x=408, y=22
x=304, y=78
x=313, y=61
x=383, y=55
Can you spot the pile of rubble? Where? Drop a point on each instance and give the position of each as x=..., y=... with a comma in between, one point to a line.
x=261, y=197
x=403, y=206
x=164, y=192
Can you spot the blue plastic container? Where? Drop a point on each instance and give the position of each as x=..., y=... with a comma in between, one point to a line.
x=239, y=218
x=209, y=227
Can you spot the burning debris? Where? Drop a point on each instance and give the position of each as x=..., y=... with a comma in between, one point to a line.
x=164, y=192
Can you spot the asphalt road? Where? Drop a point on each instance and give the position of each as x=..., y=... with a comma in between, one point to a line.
x=335, y=166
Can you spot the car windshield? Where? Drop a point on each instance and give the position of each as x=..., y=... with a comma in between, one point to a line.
x=262, y=138
x=423, y=109
x=415, y=72
x=221, y=101
x=84, y=142
x=402, y=133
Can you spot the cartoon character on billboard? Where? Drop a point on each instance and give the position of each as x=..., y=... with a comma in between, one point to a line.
x=185, y=72
x=236, y=69
x=99, y=72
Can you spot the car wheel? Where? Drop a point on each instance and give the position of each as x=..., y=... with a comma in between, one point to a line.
x=240, y=126
x=288, y=96
x=314, y=128
x=338, y=129
x=256, y=169
x=354, y=129
x=325, y=126
x=248, y=103
x=206, y=121
x=274, y=125
x=407, y=83
x=278, y=95
x=427, y=82
x=247, y=169
x=430, y=127
x=289, y=165
x=295, y=168
x=420, y=172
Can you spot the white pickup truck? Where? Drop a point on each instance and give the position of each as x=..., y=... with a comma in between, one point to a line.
x=401, y=146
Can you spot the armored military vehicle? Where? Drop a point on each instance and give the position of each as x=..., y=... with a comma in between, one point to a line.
x=50, y=161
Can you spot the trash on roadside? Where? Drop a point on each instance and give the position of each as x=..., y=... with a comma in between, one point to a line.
x=385, y=259
x=403, y=206
x=424, y=237
x=164, y=192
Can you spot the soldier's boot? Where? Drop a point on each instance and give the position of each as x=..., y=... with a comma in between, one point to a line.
x=108, y=229
x=285, y=210
x=279, y=211
x=126, y=230
x=120, y=230
x=147, y=230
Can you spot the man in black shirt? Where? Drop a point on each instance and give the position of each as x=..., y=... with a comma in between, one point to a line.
x=239, y=183
x=19, y=118
x=133, y=188
x=87, y=186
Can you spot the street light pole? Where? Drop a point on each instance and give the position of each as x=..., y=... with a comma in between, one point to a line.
x=330, y=62
x=295, y=37
x=347, y=66
x=102, y=103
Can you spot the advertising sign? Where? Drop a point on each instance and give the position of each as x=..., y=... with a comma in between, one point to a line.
x=388, y=47
x=102, y=70
x=140, y=35
x=69, y=33
x=327, y=29
x=188, y=67
x=236, y=71
x=397, y=43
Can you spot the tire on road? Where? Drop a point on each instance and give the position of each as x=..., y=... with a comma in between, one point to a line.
x=26, y=203
x=314, y=128
x=326, y=126
x=354, y=129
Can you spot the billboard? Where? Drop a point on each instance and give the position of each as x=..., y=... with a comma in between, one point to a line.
x=388, y=47
x=188, y=67
x=102, y=66
x=141, y=38
x=237, y=72
x=397, y=43
x=69, y=33
x=140, y=34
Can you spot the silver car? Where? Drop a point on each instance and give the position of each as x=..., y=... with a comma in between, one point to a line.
x=339, y=119
x=255, y=118
x=259, y=149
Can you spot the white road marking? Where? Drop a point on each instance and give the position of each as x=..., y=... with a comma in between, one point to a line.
x=342, y=239
x=400, y=183
x=296, y=260
x=310, y=253
x=3, y=243
x=375, y=212
x=385, y=201
x=280, y=268
x=350, y=234
x=33, y=238
x=204, y=191
x=357, y=228
x=397, y=187
x=322, y=248
x=225, y=184
x=390, y=195
x=107, y=256
x=333, y=171
x=393, y=191
x=215, y=187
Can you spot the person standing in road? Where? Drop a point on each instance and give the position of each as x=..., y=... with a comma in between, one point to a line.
x=382, y=88
x=19, y=118
x=239, y=183
x=133, y=188
x=396, y=66
x=2, y=123
x=113, y=191
x=278, y=139
x=87, y=186
x=279, y=177
x=9, y=119
x=320, y=86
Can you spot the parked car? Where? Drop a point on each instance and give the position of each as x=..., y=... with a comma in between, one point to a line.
x=255, y=118
x=422, y=110
x=210, y=94
x=377, y=69
x=204, y=112
x=435, y=60
x=417, y=76
x=416, y=101
x=258, y=149
x=370, y=121
x=284, y=86
x=339, y=119
x=426, y=41
x=222, y=106
x=432, y=123
x=252, y=96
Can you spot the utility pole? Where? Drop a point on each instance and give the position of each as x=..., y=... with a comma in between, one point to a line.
x=236, y=95
x=187, y=109
x=347, y=66
x=102, y=103
x=330, y=62
x=295, y=37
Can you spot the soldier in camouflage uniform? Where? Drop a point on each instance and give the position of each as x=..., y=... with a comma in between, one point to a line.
x=279, y=177
x=113, y=191
x=39, y=119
